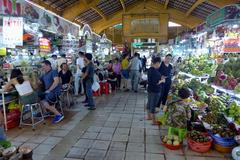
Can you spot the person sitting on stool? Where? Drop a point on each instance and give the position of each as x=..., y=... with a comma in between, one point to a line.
x=52, y=87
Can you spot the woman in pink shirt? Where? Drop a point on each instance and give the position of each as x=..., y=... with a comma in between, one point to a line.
x=117, y=70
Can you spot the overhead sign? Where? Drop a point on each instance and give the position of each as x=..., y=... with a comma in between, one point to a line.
x=44, y=45
x=231, y=12
x=12, y=31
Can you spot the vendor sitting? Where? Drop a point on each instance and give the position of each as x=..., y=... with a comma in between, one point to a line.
x=52, y=87
x=112, y=79
x=180, y=111
x=66, y=76
x=23, y=87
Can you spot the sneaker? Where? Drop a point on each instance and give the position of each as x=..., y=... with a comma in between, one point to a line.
x=92, y=108
x=57, y=119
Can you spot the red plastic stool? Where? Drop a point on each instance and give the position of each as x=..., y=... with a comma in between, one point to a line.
x=104, y=88
x=96, y=93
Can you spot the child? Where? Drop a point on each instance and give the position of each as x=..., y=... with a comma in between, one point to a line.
x=112, y=79
x=154, y=88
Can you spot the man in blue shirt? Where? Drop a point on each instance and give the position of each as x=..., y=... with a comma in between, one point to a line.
x=52, y=87
x=88, y=78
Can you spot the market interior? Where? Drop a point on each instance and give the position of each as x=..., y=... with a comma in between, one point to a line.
x=120, y=80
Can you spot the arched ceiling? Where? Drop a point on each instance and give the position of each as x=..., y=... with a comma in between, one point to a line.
x=101, y=14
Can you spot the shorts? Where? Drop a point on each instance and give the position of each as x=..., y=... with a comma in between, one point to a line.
x=29, y=99
x=51, y=98
x=125, y=74
x=153, y=99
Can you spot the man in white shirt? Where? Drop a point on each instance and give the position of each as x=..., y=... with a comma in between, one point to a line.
x=80, y=65
x=53, y=60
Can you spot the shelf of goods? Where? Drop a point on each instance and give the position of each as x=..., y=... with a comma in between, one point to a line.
x=216, y=88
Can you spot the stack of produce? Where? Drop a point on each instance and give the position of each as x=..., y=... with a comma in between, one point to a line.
x=171, y=142
x=228, y=74
x=214, y=118
x=198, y=66
x=199, y=142
x=234, y=112
x=216, y=105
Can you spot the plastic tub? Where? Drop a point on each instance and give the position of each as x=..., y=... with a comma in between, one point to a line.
x=200, y=147
x=226, y=142
x=172, y=147
x=223, y=149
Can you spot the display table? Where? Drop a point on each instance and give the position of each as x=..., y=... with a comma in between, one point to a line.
x=4, y=102
x=227, y=91
x=201, y=78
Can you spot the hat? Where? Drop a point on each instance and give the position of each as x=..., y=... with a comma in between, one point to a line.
x=88, y=56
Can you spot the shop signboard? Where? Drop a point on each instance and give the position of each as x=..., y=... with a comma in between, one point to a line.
x=231, y=12
x=49, y=21
x=11, y=7
x=44, y=45
x=232, y=45
x=12, y=31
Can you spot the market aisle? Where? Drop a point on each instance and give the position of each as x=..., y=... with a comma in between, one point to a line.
x=115, y=131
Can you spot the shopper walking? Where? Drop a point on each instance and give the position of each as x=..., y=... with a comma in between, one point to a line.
x=166, y=70
x=154, y=88
x=144, y=63
x=117, y=70
x=125, y=71
x=77, y=81
x=135, y=69
x=88, y=77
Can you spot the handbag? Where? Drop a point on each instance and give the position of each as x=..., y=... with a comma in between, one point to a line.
x=95, y=86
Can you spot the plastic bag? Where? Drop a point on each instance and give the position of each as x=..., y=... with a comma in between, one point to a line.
x=95, y=86
x=162, y=117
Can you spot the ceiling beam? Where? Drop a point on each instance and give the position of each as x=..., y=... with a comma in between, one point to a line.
x=79, y=7
x=166, y=4
x=99, y=12
x=123, y=5
x=195, y=5
x=222, y=3
x=154, y=7
x=46, y=6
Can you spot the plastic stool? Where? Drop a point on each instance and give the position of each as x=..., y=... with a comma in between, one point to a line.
x=30, y=108
x=104, y=88
x=96, y=93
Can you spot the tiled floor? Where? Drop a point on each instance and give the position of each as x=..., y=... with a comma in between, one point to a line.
x=117, y=130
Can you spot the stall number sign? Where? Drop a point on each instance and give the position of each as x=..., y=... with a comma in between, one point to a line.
x=12, y=31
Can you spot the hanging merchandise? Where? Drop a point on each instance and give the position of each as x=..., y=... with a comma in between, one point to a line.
x=44, y=45
x=12, y=31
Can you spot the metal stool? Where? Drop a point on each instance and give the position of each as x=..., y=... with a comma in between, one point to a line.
x=67, y=94
x=31, y=108
x=58, y=105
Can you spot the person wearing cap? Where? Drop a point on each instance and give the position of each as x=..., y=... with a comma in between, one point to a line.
x=88, y=78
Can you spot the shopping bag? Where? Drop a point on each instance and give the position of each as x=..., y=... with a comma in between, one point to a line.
x=95, y=86
x=162, y=117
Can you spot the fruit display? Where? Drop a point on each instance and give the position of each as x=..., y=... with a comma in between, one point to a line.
x=171, y=140
x=231, y=68
x=234, y=112
x=223, y=131
x=213, y=118
x=198, y=137
x=198, y=66
x=216, y=105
